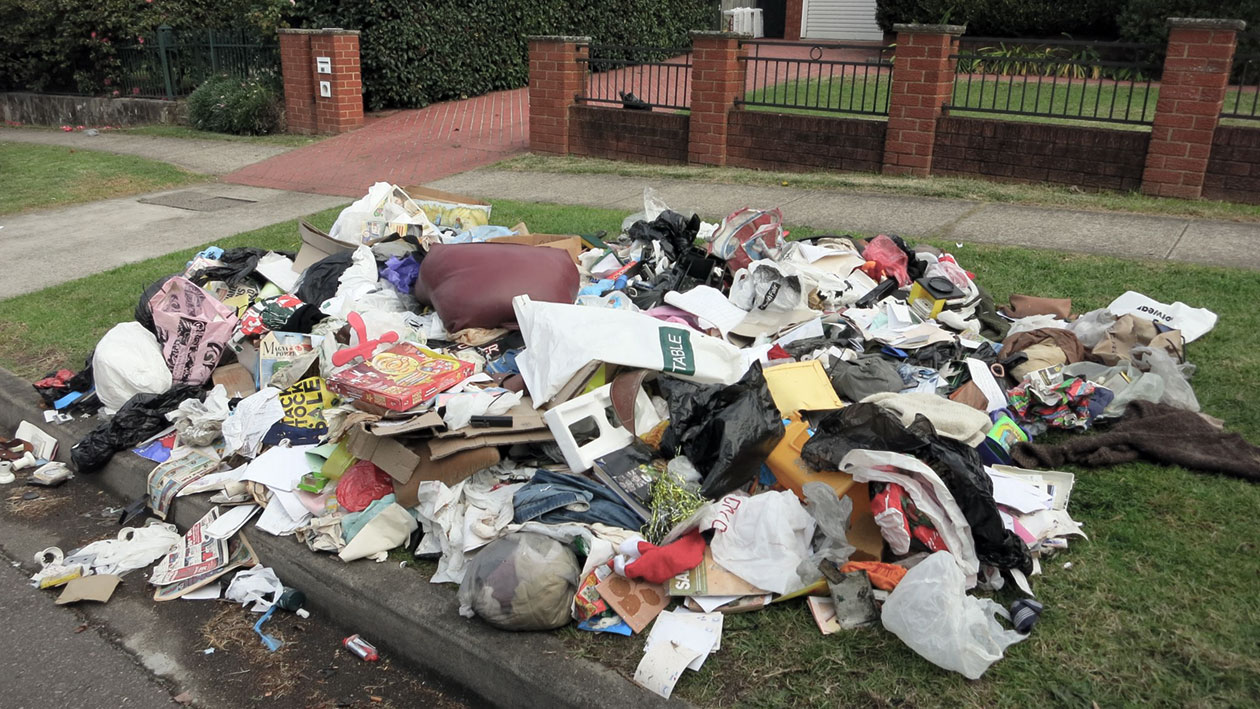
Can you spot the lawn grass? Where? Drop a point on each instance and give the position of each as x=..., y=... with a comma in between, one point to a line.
x=167, y=130
x=860, y=182
x=1159, y=606
x=46, y=176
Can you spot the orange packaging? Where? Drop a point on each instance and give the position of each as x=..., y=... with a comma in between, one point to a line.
x=401, y=378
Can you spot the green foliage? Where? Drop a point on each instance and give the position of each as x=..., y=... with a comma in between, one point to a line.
x=227, y=104
x=71, y=45
x=415, y=53
x=1126, y=20
x=1008, y=18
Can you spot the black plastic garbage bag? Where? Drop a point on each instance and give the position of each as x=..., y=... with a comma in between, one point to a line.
x=144, y=314
x=319, y=280
x=870, y=427
x=676, y=233
x=52, y=387
x=726, y=431
x=235, y=265
x=142, y=416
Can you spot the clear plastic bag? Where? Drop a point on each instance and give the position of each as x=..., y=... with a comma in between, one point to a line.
x=1092, y=327
x=1177, y=390
x=522, y=581
x=933, y=615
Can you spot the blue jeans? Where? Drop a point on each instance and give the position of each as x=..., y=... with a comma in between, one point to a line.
x=548, y=496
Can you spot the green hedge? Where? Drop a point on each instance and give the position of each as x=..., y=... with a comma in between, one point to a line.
x=70, y=45
x=241, y=106
x=415, y=52
x=1127, y=20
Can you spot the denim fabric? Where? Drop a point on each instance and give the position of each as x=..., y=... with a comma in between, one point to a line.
x=547, y=496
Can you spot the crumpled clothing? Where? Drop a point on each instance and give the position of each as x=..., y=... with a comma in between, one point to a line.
x=1064, y=340
x=1155, y=432
x=556, y=497
x=950, y=418
x=268, y=314
x=459, y=519
x=1130, y=332
x=883, y=576
x=1067, y=405
x=402, y=272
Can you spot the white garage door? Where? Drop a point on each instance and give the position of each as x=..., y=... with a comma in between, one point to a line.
x=840, y=19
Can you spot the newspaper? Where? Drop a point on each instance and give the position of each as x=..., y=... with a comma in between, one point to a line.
x=168, y=478
x=198, y=555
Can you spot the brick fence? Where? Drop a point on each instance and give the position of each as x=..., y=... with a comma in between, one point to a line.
x=1186, y=154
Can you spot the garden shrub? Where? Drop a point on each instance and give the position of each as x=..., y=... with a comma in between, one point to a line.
x=242, y=106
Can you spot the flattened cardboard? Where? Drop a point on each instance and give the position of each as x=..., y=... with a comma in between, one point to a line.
x=450, y=471
x=97, y=587
x=428, y=194
x=446, y=447
x=568, y=242
x=385, y=453
x=425, y=422
x=710, y=579
x=316, y=246
x=236, y=378
x=524, y=418
x=637, y=602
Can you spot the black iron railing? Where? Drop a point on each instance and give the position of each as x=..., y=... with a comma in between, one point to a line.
x=1242, y=100
x=1112, y=82
x=638, y=77
x=175, y=62
x=838, y=78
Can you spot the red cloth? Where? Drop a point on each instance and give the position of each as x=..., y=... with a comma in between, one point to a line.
x=660, y=564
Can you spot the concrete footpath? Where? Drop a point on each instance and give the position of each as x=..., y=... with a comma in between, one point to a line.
x=396, y=608
x=55, y=246
x=1137, y=236
x=212, y=157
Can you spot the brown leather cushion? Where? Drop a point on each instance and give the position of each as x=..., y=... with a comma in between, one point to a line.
x=472, y=285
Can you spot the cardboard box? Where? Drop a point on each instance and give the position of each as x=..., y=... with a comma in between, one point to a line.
x=410, y=465
x=316, y=246
x=236, y=378
x=524, y=418
x=568, y=242
x=448, y=209
x=440, y=448
x=400, y=378
x=450, y=471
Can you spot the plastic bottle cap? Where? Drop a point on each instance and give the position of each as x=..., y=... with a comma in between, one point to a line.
x=302, y=613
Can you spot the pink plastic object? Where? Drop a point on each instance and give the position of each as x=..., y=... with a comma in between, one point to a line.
x=889, y=257
x=362, y=484
x=365, y=347
x=193, y=329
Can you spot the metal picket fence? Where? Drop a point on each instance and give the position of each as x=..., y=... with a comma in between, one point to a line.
x=175, y=62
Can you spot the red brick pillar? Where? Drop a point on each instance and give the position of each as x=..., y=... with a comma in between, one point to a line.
x=1191, y=94
x=922, y=80
x=717, y=79
x=318, y=62
x=557, y=75
x=792, y=20
x=299, y=89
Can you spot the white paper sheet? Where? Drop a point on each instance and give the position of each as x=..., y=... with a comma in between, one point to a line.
x=243, y=431
x=661, y=667
x=1018, y=494
x=279, y=468
x=708, y=603
x=278, y=269
x=230, y=522
x=701, y=632
x=291, y=501
x=983, y=377
x=275, y=520
x=709, y=305
x=212, y=482
x=205, y=593
x=43, y=445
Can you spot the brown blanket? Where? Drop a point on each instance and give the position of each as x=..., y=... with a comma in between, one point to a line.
x=1154, y=432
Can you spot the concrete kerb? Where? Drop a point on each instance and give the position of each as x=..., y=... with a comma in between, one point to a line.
x=397, y=609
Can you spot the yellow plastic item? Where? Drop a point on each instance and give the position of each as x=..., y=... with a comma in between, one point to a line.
x=801, y=386
x=338, y=462
x=792, y=473
x=917, y=293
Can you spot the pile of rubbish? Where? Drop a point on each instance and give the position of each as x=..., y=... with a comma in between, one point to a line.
x=596, y=428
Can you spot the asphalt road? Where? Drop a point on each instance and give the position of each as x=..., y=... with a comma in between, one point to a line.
x=135, y=652
x=52, y=658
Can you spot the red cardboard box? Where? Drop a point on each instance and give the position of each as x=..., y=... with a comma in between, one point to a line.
x=401, y=378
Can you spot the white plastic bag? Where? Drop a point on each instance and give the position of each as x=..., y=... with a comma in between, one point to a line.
x=128, y=361
x=764, y=539
x=199, y=423
x=561, y=339
x=1193, y=322
x=1092, y=327
x=254, y=586
x=132, y=549
x=933, y=615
